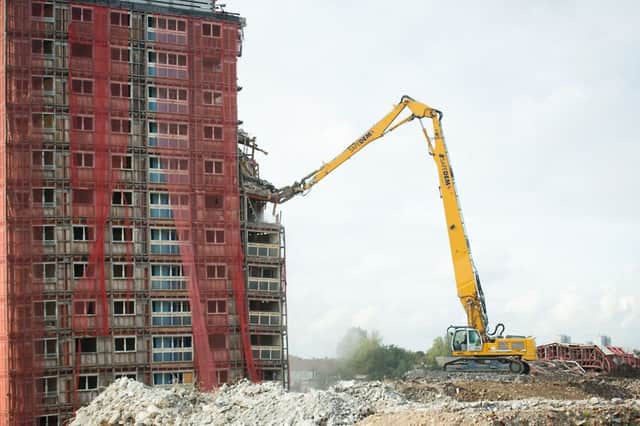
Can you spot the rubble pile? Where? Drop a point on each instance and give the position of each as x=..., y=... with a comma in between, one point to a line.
x=439, y=398
x=127, y=402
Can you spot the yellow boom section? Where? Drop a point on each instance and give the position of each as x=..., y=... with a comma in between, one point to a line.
x=467, y=281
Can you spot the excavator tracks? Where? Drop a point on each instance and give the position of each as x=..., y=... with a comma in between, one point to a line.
x=487, y=365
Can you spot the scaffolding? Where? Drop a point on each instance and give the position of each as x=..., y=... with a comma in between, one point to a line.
x=128, y=243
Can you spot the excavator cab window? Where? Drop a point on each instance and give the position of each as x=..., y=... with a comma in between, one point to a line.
x=466, y=340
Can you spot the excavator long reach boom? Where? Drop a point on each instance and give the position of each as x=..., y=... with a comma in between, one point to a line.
x=493, y=346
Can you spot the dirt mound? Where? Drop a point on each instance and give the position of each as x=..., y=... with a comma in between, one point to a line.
x=507, y=388
x=579, y=416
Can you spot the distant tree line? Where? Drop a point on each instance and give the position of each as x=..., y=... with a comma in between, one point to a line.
x=363, y=354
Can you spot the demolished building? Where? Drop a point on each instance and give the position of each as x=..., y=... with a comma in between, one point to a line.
x=592, y=358
x=133, y=241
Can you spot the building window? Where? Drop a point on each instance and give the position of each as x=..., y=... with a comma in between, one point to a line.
x=83, y=159
x=122, y=198
x=168, y=277
x=169, y=93
x=84, y=307
x=122, y=270
x=216, y=271
x=172, y=377
x=121, y=19
x=166, y=30
x=170, y=313
x=166, y=58
x=210, y=65
x=169, y=128
x=210, y=97
x=165, y=134
x=44, y=234
x=81, y=86
x=83, y=196
x=124, y=344
x=82, y=122
x=80, y=50
x=166, y=64
x=163, y=241
x=82, y=270
x=163, y=204
x=44, y=271
x=213, y=133
x=120, y=90
x=43, y=159
x=42, y=46
x=120, y=125
x=45, y=309
x=120, y=54
x=42, y=84
x=132, y=376
x=124, y=307
x=168, y=99
x=213, y=167
x=121, y=162
x=87, y=382
x=174, y=94
x=47, y=348
x=163, y=163
x=263, y=272
x=160, y=208
x=48, y=420
x=121, y=234
x=86, y=344
x=41, y=10
x=43, y=121
x=47, y=386
x=168, y=24
x=83, y=233
x=81, y=14
x=211, y=30
x=168, y=170
x=216, y=306
x=214, y=236
x=172, y=348
x=44, y=196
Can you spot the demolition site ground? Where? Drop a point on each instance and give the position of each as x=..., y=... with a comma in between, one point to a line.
x=424, y=397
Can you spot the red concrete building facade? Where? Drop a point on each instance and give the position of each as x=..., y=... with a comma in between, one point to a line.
x=128, y=246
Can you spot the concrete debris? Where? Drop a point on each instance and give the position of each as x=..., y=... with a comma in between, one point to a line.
x=556, y=367
x=438, y=398
x=127, y=402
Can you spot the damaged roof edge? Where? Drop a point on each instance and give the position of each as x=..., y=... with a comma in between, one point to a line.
x=182, y=7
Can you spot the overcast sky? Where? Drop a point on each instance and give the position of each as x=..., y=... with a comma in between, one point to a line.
x=540, y=103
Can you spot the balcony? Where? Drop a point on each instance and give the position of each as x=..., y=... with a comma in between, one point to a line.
x=265, y=319
x=270, y=285
x=271, y=251
x=267, y=353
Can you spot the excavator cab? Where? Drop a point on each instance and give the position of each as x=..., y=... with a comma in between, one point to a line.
x=464, y=339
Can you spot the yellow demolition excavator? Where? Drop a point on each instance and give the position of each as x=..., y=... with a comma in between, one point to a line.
x=474, y=347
